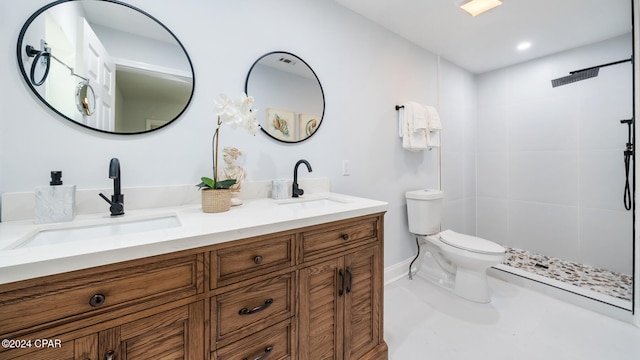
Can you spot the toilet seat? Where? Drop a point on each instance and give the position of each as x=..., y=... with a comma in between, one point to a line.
x=470, y=243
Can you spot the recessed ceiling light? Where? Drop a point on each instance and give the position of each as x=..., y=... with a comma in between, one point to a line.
x=477, y=7
x=524, y=46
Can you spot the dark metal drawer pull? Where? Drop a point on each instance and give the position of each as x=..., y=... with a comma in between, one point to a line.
x=264, y=355
x=97, y=300
x=350, y=280
x=345, y=236
x=256, y=309
x=341, y=290
x=257, y=260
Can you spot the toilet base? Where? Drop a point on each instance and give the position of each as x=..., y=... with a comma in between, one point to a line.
x=473, y=285
x=467, y=284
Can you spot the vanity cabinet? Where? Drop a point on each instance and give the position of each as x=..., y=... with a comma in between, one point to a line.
x=310, y=293
x=143, y=309
x=340, y=295
x=253, y=307
x=171, y=334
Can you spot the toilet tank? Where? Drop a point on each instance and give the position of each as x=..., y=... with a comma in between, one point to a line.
x=424, y=209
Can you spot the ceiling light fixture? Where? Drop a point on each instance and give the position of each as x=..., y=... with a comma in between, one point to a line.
x=524, y=46
x=477, y=7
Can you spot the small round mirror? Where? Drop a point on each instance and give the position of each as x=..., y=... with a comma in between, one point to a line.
x=288, y=95
x=85, y=99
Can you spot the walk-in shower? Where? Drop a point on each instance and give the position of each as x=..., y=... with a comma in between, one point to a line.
x=555, y=165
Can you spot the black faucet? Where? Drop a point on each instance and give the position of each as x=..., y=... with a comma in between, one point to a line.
x=117, y=199
x=296, y=189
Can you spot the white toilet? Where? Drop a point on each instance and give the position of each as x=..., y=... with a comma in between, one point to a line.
x=455, y=261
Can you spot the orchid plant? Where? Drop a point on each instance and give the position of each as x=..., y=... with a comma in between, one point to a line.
x=235, y=114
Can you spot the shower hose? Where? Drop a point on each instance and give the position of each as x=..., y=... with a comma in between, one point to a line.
x=627, y=188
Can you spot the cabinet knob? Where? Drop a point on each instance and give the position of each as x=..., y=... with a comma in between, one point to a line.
x=97, y=300
x=345, y=236
x=257, y=260
x=110, y=356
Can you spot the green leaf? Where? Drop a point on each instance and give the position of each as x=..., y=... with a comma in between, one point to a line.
x=206, y=183
x=225, y=184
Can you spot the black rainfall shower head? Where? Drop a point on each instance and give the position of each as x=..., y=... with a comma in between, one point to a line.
x=576, y=76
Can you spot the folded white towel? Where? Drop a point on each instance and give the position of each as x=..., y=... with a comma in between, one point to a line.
x=420, y=118
x=434, y=119
x=413, y=125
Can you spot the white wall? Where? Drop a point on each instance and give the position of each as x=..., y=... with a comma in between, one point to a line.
x=365, y=71
x=550, y=160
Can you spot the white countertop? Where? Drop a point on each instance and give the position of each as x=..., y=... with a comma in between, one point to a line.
x=253, y=218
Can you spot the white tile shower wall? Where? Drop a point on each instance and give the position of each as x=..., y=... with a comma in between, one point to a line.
x=550, y=171
x=457, y=109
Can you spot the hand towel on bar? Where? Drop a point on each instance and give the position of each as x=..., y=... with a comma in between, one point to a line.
x=414, y=124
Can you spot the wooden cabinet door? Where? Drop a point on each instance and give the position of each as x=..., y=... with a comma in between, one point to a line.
x=63, y=347
x=65, y=352
x=340, y=307
x=362, y=302
x=174, y=334
x=321, y=311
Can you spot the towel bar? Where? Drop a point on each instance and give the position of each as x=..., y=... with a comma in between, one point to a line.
x=398, y=107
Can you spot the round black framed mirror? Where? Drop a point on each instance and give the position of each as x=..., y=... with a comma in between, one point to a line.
x=105, y=65
x=288, y=94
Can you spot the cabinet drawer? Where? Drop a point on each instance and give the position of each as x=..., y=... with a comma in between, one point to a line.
x=241, y=262
x=273, y=343
x=68, y=295
x=241, y=312
x=326, y=240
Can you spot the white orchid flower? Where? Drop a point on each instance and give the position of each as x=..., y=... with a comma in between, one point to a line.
x=233, y=113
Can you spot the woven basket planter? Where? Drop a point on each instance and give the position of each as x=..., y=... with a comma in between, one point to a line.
x=214, y=201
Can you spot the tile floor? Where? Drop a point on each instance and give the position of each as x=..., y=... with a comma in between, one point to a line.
x=424, y=321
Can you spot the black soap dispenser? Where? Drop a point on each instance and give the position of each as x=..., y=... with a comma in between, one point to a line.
x=56, y=202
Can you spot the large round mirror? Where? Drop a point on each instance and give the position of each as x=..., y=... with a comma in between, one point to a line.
x=288, y=94
x=105, y=65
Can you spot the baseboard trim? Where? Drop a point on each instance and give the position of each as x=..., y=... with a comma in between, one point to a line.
x=397, y=271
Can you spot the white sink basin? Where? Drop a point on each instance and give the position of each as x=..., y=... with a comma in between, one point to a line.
x=87, y=232
x=312, y=203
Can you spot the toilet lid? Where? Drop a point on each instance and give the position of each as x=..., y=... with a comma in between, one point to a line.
x=470, y=243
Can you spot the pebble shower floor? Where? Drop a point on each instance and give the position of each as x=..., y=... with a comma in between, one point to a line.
x=607, y=282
